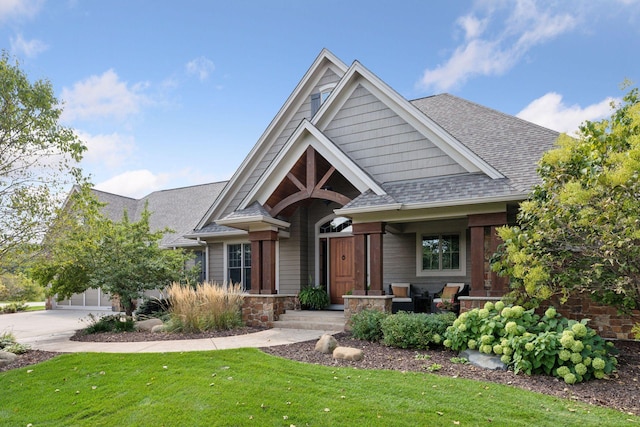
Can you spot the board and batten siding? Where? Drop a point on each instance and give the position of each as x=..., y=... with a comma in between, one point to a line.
x=383, y=144
x=304, y=112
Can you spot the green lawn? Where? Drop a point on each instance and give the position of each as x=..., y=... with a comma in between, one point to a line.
x=249, y=388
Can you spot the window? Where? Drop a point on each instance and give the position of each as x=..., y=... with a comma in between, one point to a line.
x=441, y=254
x=239, y=264
x=317, y=99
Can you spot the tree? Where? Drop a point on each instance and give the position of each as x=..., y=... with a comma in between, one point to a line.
x=37, y=158
x=580, y=230
x=86, y=250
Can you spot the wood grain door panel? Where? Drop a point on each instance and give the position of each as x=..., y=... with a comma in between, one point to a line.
x=342, y=269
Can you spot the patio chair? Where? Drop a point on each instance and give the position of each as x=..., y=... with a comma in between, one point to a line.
x=402, y=298
x=450, y=292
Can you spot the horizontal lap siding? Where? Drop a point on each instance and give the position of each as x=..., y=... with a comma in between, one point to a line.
x=382, y=143
x=304, y=112
x=216, y=262
x=293, y=255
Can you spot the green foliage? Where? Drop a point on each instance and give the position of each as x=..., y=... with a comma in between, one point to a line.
x=109, y=323
x=153, y=307
x=528, y=343
x=18, y=287
x=367, y=325
x=580, y=230
x=38, y=162
x=8, y=343
x=636, y=331
x=415, y=330
x=14, y=307
x=87, y=250
x=314, y=298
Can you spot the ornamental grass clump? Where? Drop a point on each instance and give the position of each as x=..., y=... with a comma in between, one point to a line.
x=533, y=344
x=205, y=307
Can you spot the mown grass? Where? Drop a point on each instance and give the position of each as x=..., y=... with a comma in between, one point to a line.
x=247, y=387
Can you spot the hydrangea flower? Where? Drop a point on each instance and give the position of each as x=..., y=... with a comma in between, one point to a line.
x=564, y=355
x=517, y=311
x=486, y=339
x=507, y=350
x=599, y=374
x=506, y=312
x=462, y=327
x=598, y=364
x=472, y=344
x=567, y=341
x=577, y=347
x=586, y=361
x=562, y=371
x=499, y=305
x=551, y=313
x=576, y=358
x=570, y=378
x=486, y=349
x=580, y=369
x=447, y=343
x=488, y=306
x=505, y=359
x=511, y=328
x=456, y=323
x=483, y=313
x=436, y=338
x=529, y=346
x=579, y=329
x=497, y=349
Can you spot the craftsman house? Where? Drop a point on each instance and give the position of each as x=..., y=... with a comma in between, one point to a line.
x=352, y=187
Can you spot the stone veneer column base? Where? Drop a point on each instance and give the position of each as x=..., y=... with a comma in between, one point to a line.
x=354, y=304
x=261, y=310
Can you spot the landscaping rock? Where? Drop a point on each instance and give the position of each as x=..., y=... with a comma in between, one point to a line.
x=6, y=357
x=326, y=344
x=348, y=353
x=157, y=329
x=482, y=360
x=147, y=325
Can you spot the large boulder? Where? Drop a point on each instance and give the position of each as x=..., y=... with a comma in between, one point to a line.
x=147, y=325
x=482, y=360
x=348, y=353
x=6, y=357
x=326, y=344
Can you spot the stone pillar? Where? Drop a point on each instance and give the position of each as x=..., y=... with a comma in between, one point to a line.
x=263, y=261
x=374, y=230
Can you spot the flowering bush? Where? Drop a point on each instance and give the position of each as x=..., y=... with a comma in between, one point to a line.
x=528, y=343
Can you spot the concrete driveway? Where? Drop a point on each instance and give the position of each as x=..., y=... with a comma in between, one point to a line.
x=34, y=327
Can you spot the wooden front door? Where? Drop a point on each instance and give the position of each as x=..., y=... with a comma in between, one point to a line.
x=342, y=269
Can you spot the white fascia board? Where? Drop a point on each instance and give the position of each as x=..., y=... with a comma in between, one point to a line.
x=443, y=204
x=357, y=73
x=294, y=100
x=307, y=135
x=215, y=234
x=255, y=219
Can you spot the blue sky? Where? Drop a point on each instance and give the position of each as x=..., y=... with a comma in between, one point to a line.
x=169, y=94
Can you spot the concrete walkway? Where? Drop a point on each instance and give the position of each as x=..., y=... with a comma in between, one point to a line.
x=50, y=331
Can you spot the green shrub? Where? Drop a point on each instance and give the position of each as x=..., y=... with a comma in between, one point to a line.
x=153, y=308
x=14, y=307
x=528, y=343
x=18, y=287
x=109, y=323
x=313, y=298
x=367, y=325
x=415, y=330
x=8, y=343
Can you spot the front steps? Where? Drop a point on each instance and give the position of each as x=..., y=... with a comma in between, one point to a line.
x=309, y=319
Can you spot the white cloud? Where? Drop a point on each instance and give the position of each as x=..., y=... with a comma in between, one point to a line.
x=494, y=54
x=136, y=184
x=108, y=150
x=28, y=48
x=17, y=9
x=104, y=96
x=549, y=111
x=200, y=67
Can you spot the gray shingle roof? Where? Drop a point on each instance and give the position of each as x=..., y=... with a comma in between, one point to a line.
x=254, y=209
x=511, y=145
x=179, y=209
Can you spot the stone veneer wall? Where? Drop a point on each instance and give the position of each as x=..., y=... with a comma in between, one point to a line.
x=604, y=319
x=262, y=310
x=354, y=304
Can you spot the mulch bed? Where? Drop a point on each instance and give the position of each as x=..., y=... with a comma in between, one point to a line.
x=621, y=391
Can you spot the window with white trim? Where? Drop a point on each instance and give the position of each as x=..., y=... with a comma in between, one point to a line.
x=239, y=264
x=317, y=99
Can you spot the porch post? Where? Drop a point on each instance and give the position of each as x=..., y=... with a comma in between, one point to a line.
x=360, y=264
x=374, y=230
x=484, y=242
x=263, y=261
